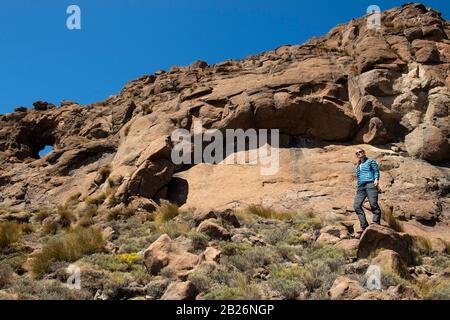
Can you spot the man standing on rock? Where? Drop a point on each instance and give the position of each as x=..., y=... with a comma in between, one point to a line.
x=368, y=176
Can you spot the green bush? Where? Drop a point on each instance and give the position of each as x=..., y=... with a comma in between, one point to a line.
x=439, y=292
x=29, y=289
x=288, y=281
x=389, y=279
x=69, y=247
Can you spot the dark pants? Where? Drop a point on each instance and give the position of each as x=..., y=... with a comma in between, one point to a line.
x=367, y=190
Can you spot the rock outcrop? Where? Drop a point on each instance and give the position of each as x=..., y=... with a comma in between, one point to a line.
x=386, y=90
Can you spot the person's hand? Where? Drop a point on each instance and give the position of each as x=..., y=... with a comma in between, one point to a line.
x=375, y=183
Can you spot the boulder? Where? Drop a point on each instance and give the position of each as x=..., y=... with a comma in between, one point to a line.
x=426, y=51
x=344, y=288
x=390, y=260
x=380, y=237
x=166, y=253
x=199, y=217
x=375, y=295
x=210, y=254
x=214, y=230
x=427, y=142
x=150, y=177
x=350, y=245
x=326, y=238
x=156, y=288
x=180, y=291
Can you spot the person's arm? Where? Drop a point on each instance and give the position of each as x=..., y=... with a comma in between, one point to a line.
x=376, y=172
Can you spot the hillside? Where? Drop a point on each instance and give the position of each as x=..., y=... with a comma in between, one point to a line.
x=110, y=199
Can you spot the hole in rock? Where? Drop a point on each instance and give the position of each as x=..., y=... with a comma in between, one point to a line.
x=47, y=149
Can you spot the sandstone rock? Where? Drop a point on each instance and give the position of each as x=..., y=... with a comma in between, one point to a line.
x=427, y=142
x=180, y=291
x=350, y=245
x=214, y=230
x=211, y=254
x=150, y=177
x=344, y=288
x=427, y=51
x=199, y=217
x=165, y=252
x=326, y=238
x=403, y=292
x=375, y=295
x=376, y=237
x=228, y=217
x=390, y=261
x=156, y=288
x=338, y=231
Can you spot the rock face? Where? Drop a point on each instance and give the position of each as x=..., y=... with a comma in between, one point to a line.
x=353, y=84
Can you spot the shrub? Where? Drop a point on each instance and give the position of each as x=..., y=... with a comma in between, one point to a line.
x=225, y=293
x=199, y=240
x=440, y=263
x=96, y=200
x=116, y=213
x=66, y=216
x=40, y=215
x=268, y=213
x=50, y=227
x=103, y=173
x=288, y=281
x=166, y=213
x=27, y=288
x=439, y=292
x=306, y=221
x=254, y=257
x=114, y=284
x=389, y=279
x=422, y=245
x=69, y=247
x=174, y=229
x=129, y=258
x=108, y=262
x=27, y=228
x=201, y=281
x=332, y=256
x=10, y=233
x=240, y=289
x=6, y=272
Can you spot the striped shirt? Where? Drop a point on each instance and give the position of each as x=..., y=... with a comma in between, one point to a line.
x=367, y=171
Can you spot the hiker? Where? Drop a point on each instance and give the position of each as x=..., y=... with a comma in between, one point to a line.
x=368, y=177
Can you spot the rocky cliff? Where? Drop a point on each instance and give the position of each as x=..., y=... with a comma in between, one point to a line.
x=386, y=90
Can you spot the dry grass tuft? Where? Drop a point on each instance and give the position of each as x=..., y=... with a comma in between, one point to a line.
x=10, y=233
x=69, y=247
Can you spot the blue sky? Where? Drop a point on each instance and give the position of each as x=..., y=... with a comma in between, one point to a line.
x=40, y=59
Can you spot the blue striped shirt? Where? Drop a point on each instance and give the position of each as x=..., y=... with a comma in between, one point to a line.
x=367, y=171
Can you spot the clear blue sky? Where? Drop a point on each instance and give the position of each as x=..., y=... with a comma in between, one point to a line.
x=40, y=59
